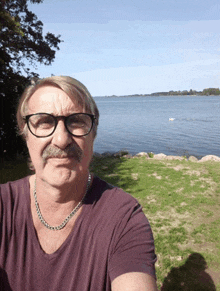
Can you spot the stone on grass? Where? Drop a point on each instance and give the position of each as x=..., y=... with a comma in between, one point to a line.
x=175, y=158
x=128, y=156
x=210, y=158
x=193, y=159
x=160, y=156
x=121, y=153
x=142, y=154
x=97, y=155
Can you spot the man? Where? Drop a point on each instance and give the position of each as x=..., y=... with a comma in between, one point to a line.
x=63, y=228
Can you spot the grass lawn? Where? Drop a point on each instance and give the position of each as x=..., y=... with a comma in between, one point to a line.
x=182, y=202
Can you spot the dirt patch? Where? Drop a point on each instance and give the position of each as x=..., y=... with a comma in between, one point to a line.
x=178, y=168
x=134, y=176
x=151, y=199
x=214, y=274
x=169, y=219
x=157, y=176
x=179, y=190
x=193, y=172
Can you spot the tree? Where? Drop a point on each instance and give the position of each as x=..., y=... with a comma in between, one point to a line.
x=22, y=45
x=211, y=91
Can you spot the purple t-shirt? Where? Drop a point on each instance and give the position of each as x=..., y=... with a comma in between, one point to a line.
x=110, y=237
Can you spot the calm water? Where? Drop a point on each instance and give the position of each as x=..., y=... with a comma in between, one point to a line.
x=142, y=124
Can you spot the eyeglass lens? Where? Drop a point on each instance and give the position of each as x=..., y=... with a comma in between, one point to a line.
x=43, y=124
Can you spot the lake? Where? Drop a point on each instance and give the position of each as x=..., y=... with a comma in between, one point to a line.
x=141, y=124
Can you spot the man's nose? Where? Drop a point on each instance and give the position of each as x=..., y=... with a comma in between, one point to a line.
x=61, y=137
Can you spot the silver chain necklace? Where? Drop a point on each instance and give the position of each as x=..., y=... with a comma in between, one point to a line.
x=68, y=217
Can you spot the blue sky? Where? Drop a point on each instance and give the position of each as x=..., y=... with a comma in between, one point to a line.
x=118, y=47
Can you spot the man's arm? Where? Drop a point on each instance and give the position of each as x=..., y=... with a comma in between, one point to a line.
x=134, y=281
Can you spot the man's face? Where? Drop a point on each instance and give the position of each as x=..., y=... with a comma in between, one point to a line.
x=46, y=153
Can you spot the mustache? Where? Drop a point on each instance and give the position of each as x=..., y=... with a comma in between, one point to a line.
x=71, y=151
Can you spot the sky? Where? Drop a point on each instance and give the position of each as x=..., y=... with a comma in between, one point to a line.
x=125, y=47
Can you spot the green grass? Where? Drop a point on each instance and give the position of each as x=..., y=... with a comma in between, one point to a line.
x=181, y=200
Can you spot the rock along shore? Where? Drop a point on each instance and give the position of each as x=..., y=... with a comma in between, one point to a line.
x=158, y=156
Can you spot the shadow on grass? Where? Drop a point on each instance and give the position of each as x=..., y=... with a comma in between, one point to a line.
x=111, y=170
x=189, y=277
x=13, y=170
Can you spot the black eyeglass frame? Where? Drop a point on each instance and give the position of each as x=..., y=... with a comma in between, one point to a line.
x=64, y=118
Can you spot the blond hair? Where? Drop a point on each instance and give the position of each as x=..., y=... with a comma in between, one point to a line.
x=72, y=87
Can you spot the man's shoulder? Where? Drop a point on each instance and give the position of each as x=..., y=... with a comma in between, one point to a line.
x=13, y=187
x=15, y=183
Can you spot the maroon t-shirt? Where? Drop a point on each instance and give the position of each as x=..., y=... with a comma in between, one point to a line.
x=111, y=237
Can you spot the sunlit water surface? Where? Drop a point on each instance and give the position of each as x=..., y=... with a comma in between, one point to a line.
x=141, y=124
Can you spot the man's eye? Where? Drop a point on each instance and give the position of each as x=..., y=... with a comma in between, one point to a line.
x=77, y=121
x=45, y=122
x=42, y=122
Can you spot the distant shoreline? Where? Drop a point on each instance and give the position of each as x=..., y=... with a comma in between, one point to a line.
x=153, y=95
x=204, y=92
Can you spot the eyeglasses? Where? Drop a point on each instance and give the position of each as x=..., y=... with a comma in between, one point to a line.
x=44, y=124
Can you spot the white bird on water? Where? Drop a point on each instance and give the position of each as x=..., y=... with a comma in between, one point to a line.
x=171, y=119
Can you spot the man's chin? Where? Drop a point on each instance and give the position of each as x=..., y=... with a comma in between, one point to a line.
x=60, y=173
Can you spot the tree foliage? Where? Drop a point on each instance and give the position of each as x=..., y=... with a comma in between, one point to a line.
x=22, y=45
x=211, y=91
x=207, y=92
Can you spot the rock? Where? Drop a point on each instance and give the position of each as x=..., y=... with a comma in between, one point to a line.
x=193, y=159
x=174, y=158
x=97, y=155
x=160, y=156
x=142, y=154
x=121, y=153
x=210, y=158
x=107, y=154
x=128, y=156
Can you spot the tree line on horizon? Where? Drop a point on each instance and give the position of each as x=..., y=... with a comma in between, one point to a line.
x=205, y=92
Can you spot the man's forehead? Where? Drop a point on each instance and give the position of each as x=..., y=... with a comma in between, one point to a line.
x=51, y=97
x=49, y=93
